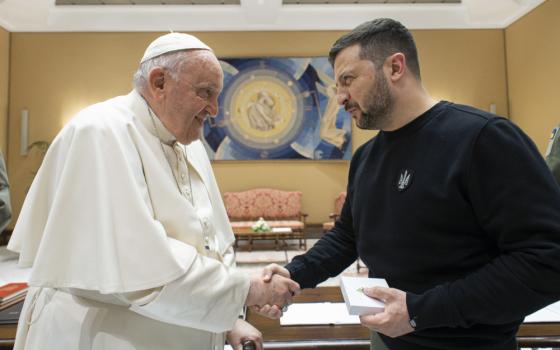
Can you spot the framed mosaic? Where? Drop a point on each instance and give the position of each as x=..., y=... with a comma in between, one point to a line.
x=278, y=108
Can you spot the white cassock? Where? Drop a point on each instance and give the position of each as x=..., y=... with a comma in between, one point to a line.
x=131, y=247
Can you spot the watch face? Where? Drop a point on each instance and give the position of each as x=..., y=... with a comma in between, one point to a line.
x=412, y=323
x=278, y=108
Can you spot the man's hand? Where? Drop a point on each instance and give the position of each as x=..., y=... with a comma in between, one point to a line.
x=241, y=332
x=274, y=269
x=278, y=291
x=392, y=322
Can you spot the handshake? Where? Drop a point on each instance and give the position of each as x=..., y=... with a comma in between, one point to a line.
x=271, y=291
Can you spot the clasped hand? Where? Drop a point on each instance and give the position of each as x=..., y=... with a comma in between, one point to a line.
x=271, y=290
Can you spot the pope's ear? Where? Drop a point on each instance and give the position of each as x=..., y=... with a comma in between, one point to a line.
x=156, y=80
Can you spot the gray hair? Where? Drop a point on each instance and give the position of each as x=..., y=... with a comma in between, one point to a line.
x=171, y=61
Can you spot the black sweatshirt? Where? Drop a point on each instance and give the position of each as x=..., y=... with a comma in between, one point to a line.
x=459, y=210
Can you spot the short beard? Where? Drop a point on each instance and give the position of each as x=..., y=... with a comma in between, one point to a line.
x=377, y=113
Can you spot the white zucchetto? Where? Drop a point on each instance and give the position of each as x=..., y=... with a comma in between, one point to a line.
x=173, y=42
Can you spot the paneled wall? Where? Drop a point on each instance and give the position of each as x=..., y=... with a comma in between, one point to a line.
x=533, y=56
x=54, y=75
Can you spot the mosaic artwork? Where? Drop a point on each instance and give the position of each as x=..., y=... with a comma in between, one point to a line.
x=278, y=108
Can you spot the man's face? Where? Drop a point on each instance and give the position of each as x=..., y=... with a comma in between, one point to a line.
x=362, y=89
x=193, y=96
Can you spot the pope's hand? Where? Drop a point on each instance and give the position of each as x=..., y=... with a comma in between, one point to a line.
x=271, y=311
x=279, y=290
x=392, y=322
x=243, y=331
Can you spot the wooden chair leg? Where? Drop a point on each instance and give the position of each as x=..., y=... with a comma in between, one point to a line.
x=302, y=241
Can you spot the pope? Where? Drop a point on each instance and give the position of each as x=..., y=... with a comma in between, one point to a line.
x=124, y=227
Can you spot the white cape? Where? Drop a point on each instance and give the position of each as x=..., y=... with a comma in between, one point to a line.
x=103, y=206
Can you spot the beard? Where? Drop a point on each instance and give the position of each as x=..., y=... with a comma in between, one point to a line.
x=377, y=107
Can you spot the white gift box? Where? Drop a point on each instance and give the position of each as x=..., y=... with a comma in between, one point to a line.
x=357, y=302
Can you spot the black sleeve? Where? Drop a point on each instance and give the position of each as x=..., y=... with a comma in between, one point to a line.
x=335, y=251
x=517, y=204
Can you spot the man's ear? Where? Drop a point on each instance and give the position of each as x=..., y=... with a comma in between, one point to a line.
x=156, y=81
x=397, y=66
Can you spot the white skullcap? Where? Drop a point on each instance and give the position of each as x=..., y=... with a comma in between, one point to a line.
x=173, y=42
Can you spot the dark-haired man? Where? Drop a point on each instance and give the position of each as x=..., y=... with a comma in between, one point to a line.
x=452, y=205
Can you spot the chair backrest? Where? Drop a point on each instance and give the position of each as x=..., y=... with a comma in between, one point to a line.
x=263, y=202
x=339, y=202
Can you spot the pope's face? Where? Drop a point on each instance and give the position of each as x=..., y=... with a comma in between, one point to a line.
x=192, y=96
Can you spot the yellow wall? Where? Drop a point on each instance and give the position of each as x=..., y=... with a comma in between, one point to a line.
x=533, y=56
x=4, y=77
x=77, y=69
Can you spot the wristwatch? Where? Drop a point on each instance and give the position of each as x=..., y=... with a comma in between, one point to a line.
x=412, y=322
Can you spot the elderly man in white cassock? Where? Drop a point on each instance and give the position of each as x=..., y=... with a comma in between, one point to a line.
x=125, y=228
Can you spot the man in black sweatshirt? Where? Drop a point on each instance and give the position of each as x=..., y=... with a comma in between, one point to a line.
x=453, y=206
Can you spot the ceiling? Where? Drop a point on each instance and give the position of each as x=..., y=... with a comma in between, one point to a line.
x=253, y=15
x=238, y=2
